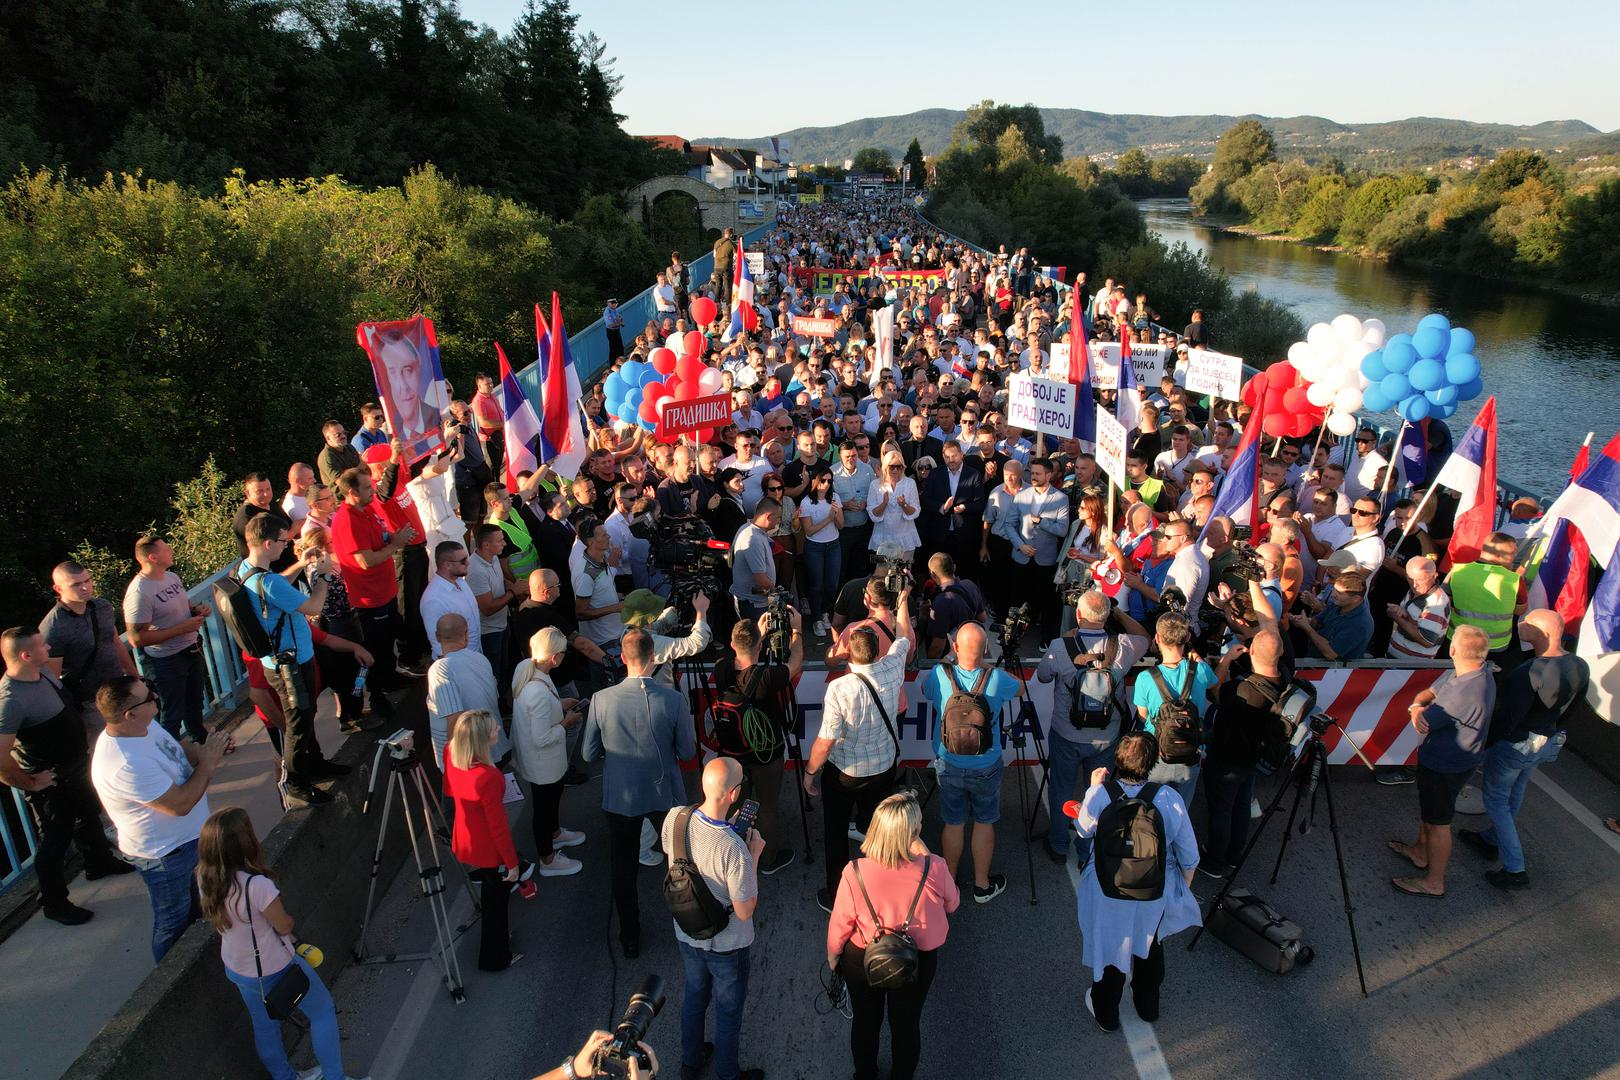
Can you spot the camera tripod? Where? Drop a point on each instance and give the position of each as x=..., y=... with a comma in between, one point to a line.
x=1020, y=725
x=407, y=780
x=789, y=705
x=1310, y=769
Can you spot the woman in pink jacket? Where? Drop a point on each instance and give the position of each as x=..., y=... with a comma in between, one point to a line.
x=897, y=876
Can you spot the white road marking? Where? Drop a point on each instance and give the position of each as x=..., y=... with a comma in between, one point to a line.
x=401, y=1038
x=1140, y=1040
x=1575, y=809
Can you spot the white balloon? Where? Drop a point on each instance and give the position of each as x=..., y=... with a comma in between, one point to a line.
x=1347, y=328
x=1374, y=336
x=1351, y=352
x=1297, y=352
x=1341, y=424
x=1320, y=336
x=711, y=381
x=1320, y=394
x=1347, y=400
x=1369, y=325
x=674, y=343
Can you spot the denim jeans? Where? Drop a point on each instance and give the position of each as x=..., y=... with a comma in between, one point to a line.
x=1067, y=763
x=724, y=977
x=1507, y=774
x=970, y=793
x=172, y=884
x=180, y=683
x=1184, y=778
x=821, y=566
x=317, y=1009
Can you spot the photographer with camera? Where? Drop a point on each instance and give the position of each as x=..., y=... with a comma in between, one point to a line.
x=955, y=602
x=750, y=723
x=1087, y=667
x=713, y=917
x=863, y=602
x=1246, y=723
x=646, y=610
x=858, y=743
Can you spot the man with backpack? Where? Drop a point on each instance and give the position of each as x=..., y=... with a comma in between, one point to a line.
x=712, y=891
x=1247, y=730
x=1087, y=668
x=967, y=697
x=750, y=716
x=956, y=601
x=1171, y=700
x=1135, y=891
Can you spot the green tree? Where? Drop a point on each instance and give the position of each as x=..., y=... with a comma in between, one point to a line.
x=873, y=159
x=1132, y=169
x=1242, y=148
x=1592, y=243
x=986, y=121
x=917, y=164
x=1370, y=203
x=1512, y=168
x=1323, y=208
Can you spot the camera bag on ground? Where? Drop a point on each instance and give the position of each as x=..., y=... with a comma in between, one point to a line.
x=891, y=956
x=965, y=719
x=1094, y=702
x=1177, y=723
x=239, y=605
x=1255, y=929
x=696, y=910
x=1130, y=846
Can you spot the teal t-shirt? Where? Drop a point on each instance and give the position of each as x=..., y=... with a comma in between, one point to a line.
x=998, y=689
x=1145, y=694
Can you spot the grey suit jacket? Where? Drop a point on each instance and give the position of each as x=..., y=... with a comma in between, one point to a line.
x=645, y=730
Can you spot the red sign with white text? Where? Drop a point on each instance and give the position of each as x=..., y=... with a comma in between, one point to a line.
x=821, y=326
x=696, y=414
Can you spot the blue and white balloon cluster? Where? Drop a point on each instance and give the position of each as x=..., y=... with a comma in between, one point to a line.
x=1426, y=373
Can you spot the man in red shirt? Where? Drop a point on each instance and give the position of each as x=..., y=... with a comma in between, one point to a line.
x=390, y=478
x=364, y=547
x=491, y=422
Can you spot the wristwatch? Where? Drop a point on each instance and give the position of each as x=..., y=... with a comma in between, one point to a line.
x=568, y=1069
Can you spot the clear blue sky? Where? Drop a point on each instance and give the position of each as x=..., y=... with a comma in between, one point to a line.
x=707, y=68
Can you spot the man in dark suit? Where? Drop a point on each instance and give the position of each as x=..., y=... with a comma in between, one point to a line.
x=918, y=443
x=952, y=517
x=554, y=542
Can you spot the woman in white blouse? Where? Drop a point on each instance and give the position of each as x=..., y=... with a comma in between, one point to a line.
x=540, y=748
x=820, y=515
x=893, y=504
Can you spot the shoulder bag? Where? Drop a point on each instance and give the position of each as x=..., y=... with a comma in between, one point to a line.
x=290, y=989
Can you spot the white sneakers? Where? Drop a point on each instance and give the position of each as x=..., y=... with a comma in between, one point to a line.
x=821, y=628
x=560, y=866
x=567, y=838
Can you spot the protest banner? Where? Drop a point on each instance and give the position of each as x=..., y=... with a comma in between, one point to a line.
x=756, y=263
x=822, y=282
x=1057, y=365
x=1215, y=374
x=821, y=326
x=694, y=414
x=404, y=359
x=1044, y=405
x=1150, y=362
x=1112, y=443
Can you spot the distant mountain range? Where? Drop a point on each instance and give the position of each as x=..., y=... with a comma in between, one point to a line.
x=1104, y=136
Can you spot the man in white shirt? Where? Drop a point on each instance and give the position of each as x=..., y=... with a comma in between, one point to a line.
x=1173, y=463
x=753, y=468
x=753, y=565
x=155, y=791
x=295, y=504
x=596, y=601
x=1366, y=544
x=448, y=591
x=460, y=681
x=664, y=297
x=1368, y=461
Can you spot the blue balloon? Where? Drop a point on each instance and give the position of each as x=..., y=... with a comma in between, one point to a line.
x=1427, y=375
x=1399, y=356
x=1397, y=339
x=1372, y=365
x=1431, y=342
x=631, y=402
x=1462, y=341
x=613, y=386
x=1415, y=408
x=1438, y=321
x=1470, y=390
x=614, y=407
x=1461, y=368
x=1444, y=412
x=649, y=376
x=647, y=425
x=630, y=372
x=1442, y=395
x=1373, y=399
x=1395, y=386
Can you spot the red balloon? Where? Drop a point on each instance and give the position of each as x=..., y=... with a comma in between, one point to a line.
x=647, y=412
x=654, y=392
x=703, y=435
x=692, y=343
x=1294, y=400
x=1282, y=373
x=687, y=391
x=1275, y=424
x=703, y=310
x=689, y=368
x=663, y=360
x=660, y=404
x=1302, y=426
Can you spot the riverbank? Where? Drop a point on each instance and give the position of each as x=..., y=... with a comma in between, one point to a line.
x=1254, y=232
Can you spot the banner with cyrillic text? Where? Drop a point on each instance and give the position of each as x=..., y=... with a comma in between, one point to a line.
x=1149, y=361
x=1215, y=374
x=1044, y=405
x=679, y=417
x=823, y=282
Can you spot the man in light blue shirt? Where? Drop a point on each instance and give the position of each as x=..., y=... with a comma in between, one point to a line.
x=970, y=786
x=1036, y=527
x=1174, y=635
x=852, y=481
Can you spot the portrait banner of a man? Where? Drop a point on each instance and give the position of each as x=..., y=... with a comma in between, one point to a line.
x=410, y=383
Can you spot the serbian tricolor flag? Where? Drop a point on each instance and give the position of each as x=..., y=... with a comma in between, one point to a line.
x=1056, y=273
x=522, y=425
x=562, y=436
x=1582, y=523
x=1128, y=407
x=1470, y=471
x=744, y=319
x=1085, y=402
x=1239, y=495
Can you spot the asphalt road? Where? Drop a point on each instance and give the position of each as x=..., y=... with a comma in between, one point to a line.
x=1478, y=984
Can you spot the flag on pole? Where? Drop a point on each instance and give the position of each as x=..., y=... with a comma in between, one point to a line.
x=1470, y=471
x=743, y=315
x=1085, y=405
x=1412, y=455
x=1589, y=508
x=522, y=424
x=1238, y=497
x=883, y=338
x=562, y=436
x=1563, y=571
x=1128, y=406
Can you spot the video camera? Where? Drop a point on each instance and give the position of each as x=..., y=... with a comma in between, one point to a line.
x=682, y=546
x=892, y=569
x=1246, y=562
x=646, y=1002
x=778, y=624
x=1014, y=627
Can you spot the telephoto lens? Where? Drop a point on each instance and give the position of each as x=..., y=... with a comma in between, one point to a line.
x=645, y=1003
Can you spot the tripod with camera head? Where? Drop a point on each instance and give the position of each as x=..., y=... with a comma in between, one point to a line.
x=1309, y=771
x=776, y=646
x=1019, y=725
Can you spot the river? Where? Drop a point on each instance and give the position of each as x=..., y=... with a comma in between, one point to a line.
x=1552, y=361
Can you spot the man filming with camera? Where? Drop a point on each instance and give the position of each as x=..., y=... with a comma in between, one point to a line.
x=956, y=601
x=1087, y=667
x=753, y=564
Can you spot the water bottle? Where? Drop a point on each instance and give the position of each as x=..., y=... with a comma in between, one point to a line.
x=360, y=681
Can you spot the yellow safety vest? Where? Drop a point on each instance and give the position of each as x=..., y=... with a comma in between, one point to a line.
x=1484, y=595
x=1149, y=489
x=525, y=559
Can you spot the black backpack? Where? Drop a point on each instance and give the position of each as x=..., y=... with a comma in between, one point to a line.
x=892, y=958
x=1272, y=744
x=696, y=910
x=741, y=728
x=1177, y=724
x=1095, y=682
x=965, y=719
x=1129, y=847
x=240, y=606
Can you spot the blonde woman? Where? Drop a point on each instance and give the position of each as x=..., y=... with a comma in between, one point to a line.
x=539, y=741
x=894, y=505
x=482, y=838
x=897, y=876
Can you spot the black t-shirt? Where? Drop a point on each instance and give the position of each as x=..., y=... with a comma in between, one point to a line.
x=247, y=512
x=1150, y=444
x=851, y=602
x=762, y=684
x=1196, y=333
x=675, y=498
x=952, y=606
x=528, y=621
x=49, y=733
x=795, y=472
x=1244, y=717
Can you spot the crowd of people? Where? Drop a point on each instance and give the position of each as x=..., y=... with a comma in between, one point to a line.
x=875, y=507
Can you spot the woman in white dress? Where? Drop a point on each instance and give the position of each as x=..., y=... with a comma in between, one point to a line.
x=893, y=504
x=1125, y=937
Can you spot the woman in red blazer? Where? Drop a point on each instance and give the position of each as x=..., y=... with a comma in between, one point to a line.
x=482, y=838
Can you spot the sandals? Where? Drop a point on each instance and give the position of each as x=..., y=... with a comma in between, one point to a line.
x=1401, y=848
x=1402, y=885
